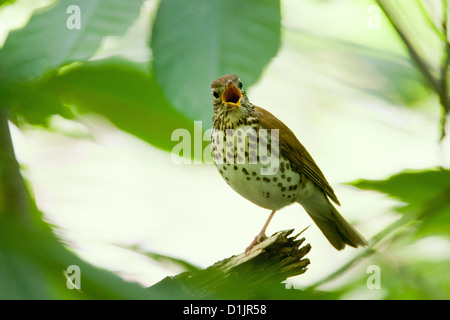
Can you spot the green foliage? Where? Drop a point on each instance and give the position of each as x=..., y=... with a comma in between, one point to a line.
x=111, y=87
x=424, y=198
x=426, y=194
x=195, y=43
x=403, y=85
x=410, y=279
x=6, y=2
x=49, y=69
x=39, y=79
x=428, y=47
x=403, y=279
x=33, y=262
x=32, y=102
x=50, y=44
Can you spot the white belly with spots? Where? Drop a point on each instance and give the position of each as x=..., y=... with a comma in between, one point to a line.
x=268, y=181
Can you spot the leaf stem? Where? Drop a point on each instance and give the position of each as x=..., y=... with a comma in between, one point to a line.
x=444, y=94
x=440, y=86
x=422, y=65
x=436, y=28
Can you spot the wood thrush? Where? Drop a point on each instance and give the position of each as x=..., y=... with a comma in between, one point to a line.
x=262, y=160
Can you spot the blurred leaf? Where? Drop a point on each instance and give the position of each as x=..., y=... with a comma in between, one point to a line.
x=6, y=2
x=176, y=287
x=125, y=94
x=163, y=259
x=376, y=71
x=413, y=278
x=385, y=75
x=46, y=43
x=32, y=265
x=426, y=194
x=410, y=279
x=31, y=56
x=425, y=39
x=20, y=278
x=413, y=187
x=33, y=102
x=194, y=42
x=418, y=31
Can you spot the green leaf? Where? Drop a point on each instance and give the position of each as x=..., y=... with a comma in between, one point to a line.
x=6, y=2
x=125, y=94
x=426, y=194
x=20, y=278
x=415, y=278
x=48, y=42
x=393, y=78
x=33, y=264
x=163, y=259
x=33, y=102
x=194, y=42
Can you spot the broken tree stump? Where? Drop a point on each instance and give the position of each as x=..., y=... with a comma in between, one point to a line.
x=243, y=276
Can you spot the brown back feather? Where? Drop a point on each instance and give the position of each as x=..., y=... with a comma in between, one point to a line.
x=294, y=151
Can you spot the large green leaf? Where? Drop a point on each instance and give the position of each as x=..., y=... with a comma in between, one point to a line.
x=125, y=94
x=32, y=55
x=48, y=42
x=32, y=102
x=196, y=41
x=426, y=194
x=33, y=263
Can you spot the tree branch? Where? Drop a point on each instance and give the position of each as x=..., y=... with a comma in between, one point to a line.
x=244, y=276
x=440, y=86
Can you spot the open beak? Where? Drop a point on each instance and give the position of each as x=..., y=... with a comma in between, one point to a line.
x=232, y=95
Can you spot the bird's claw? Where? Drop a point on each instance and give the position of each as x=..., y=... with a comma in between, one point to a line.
x=258, y=239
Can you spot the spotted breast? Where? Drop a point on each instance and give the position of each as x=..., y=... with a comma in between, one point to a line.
x=248, y=158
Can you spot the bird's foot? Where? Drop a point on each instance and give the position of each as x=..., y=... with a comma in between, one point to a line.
x=258, y=239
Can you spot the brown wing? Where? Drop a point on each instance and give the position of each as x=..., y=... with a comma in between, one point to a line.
x=293, y=150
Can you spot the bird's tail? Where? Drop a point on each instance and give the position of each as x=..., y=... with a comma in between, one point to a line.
x=333, y=225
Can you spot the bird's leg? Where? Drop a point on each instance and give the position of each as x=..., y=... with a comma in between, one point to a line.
x=262, y=234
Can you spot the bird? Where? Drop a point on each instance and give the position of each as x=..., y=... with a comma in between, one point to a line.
x=260, y=158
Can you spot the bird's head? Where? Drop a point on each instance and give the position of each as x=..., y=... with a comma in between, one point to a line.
x=229, y=96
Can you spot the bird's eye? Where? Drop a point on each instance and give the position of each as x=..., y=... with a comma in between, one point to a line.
x=215, y=94
x=240, y=84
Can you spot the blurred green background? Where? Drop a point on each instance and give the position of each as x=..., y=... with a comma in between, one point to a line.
x=91, y=94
